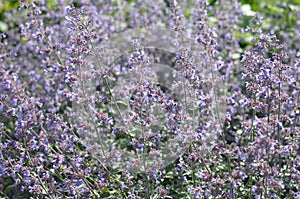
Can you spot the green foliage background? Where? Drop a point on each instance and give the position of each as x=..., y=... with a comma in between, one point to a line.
x=265, y=7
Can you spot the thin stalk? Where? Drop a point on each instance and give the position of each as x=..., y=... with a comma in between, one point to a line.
x=144, y=159
x=206, y=167
x=228, y=159
x=253, y=118
x=193, y=169
x=265, y=187
x=279, y=110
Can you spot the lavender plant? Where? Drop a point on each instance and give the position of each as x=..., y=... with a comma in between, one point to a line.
x=149, y=99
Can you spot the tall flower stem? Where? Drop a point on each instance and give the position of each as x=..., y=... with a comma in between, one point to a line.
x=253, y=117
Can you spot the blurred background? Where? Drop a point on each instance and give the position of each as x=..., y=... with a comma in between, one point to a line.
x=267, y=8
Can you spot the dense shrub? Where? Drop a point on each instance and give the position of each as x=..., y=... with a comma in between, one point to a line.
x=243, y=126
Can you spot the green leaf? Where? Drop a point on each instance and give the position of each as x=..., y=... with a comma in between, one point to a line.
x=122, y=103
x=51, y=4
x=3, y=26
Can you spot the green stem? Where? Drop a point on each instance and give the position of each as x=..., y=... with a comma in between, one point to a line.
x=279, y=111
x=193, y=168
x=228, y=159
x=38, y=177
x=253, y=118
x=265, y=187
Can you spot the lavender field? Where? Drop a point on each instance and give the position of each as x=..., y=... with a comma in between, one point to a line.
x=150, y=99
